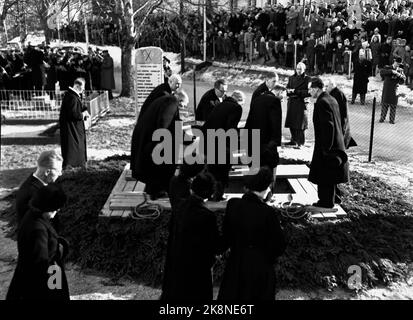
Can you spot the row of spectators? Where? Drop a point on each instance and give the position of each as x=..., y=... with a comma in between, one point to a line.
x=40, y=68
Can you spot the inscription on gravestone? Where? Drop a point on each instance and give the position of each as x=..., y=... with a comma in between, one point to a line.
x=148, y=73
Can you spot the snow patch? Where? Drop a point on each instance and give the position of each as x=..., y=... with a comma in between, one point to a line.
x=121, y=122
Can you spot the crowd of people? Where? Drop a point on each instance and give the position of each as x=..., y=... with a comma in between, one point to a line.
x=42, y=67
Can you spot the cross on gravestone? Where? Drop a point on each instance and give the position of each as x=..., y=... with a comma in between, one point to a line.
x=148, y=73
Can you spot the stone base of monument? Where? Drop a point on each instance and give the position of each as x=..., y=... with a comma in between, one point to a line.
x=291, y=181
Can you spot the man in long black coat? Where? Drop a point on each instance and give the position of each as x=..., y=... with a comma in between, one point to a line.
x=253, y=233
x=341, y=99
x=211, y=99
x=164, y=89
x=41, y=251
x=49, y=168
x=362, y=71
x=296, y=119
x=72, y=127
x=329, y=165
x=225, y=116
x=161, y=114
x=192, y=245
x=265, y=114
x=266, y=86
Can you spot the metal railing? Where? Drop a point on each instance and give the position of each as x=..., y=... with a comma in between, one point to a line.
x=45, y=104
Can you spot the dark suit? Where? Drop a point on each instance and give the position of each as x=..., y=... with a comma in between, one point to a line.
x=193, y=243
x=265, y=114
x=162, y=90
x=345, y=124
x=392, y=79
x=38, y=246
x=161, y=114
x=24, y=195
x=329, y=165
x=72, y=130
x=262, y=88
x=224, y=116
x=207, y=103
x=252, y=231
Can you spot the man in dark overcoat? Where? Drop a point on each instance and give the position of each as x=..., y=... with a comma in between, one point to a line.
x=362, y=71
x=270, y=80
x=72, y=126
x=164, y=89
x=161, y=114
x=297, y=92
x=107, y=78
x=329, y=165
x=252, y=232
x=211, y=99
x=40, y=273
x=265, y=114
x=393, y=76
x=225, y=116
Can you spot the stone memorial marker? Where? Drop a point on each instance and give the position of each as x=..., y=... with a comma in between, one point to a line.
x=148, y=73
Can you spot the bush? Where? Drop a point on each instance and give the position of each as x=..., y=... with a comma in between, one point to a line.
x=377, y=235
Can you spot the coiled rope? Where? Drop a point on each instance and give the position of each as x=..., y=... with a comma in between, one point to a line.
x=145, y=210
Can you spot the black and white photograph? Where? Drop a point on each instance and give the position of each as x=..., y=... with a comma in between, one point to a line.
x=214, y=153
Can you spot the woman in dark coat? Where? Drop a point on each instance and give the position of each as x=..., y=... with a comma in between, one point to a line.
x=40, y=272
x=107, y=78
x=362, y=72
x=72, y=127
x=375, y=52
x=192, y=245
x=296, y=119
x=252, y=232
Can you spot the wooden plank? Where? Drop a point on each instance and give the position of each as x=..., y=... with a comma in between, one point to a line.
x=118, y=187
x=130, y=185
x=309, y=189
x=139, y=187
x=292, y=171
x=116, y=213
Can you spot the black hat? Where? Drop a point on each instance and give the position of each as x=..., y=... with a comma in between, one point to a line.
x=316, y=82
x=49, y=198
x=260, y=181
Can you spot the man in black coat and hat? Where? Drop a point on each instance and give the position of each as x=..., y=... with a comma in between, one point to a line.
x=72, y=127
x=362, y=71
x=211, y=99
x=164, y=89
x=329, y=165
x=225, y=116
x=161, y=114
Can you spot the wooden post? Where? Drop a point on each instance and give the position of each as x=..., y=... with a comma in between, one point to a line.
x=295, y=54
x=373, y=113
x=194, y=68
x=349, y=66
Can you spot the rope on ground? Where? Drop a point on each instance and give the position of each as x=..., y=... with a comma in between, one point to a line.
x=145, y=210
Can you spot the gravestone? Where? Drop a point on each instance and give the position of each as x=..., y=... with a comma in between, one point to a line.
x=148, y=73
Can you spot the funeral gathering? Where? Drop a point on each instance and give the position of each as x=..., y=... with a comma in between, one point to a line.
x=206, y=152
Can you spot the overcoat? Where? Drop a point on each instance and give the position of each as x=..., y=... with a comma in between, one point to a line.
x=262, y=88
x=162, y=90
x=72, y=130
x=38, y=247
x=296, y=108
x=345, y=124
x=252, y=232
x=207, y=103
x=392, y=79
x=24, y=195
x=193, y=243
x=161, y=114
x=265, y=114
x=107, y=78
x=329, y=164
x=362, y=72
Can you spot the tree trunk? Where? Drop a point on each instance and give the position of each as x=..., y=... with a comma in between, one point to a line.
x=127, y=72
x=181, y=16
x=45, y=28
